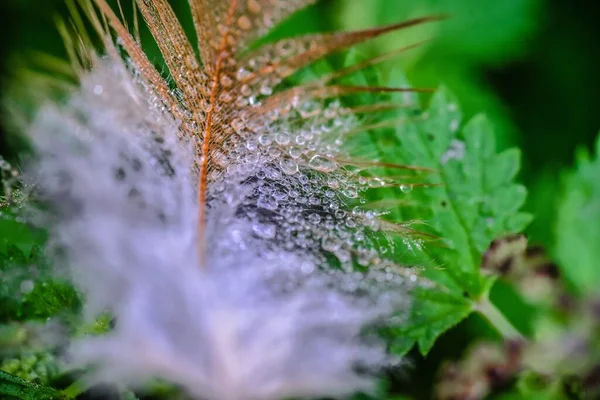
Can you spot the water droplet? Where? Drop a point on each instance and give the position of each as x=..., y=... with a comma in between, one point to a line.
x=322, y=164
x=265, y=189
x=330, y=244
x=267, y=202
x=295, y=152
x=332, y=183
x=282, y=139
x=406, y=188
x=350, y=193
x=303, y=179
x=343, y=255
x=307, y=267
x=251, y=145
x=454, y=125
x=265, y=231
x=246, y=91
x=254, y=6
x=280, y=195
x=27, y=286
x=226, y=81
x=288, y=165
x=265, y=90
x=244, y=23
x=376, y=182
x=314, y=218
x=265, y=140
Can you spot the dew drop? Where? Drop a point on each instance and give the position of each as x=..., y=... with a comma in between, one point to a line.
x=282, y=138
x=330, y=244
x=332, y=183
x=280, y=195
x=454, y=125
x=307, y=267
x=288, y=165
x=343, y=255
x=244, y=23
x=251, y=145
x=265, y=231
x=254, y=6
x=322, y=164
x=351, y=193
x=267, y=202
x=406, y=188
x=27, y=286
x=243, y=74
x=246, y=91
x=295, y=152
x=265, y=140
x=314, y=218
x=303, y=179
x=266, y=90
x=226, y=81
x=314, y=200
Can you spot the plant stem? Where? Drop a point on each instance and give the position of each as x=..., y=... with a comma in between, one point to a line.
x=498, y=320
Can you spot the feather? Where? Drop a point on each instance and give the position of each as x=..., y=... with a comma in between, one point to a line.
x=232, y=174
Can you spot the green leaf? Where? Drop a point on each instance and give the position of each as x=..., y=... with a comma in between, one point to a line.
x=577, y=226
x=29, y=289
x=471, y=201
x=16, y=233
x=18, y=388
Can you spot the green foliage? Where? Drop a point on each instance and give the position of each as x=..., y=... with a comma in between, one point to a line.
x=532, y=386
x=474, y=35
x=12, y=387
x=577, y=228
x=29, y=292
x=21, y=259
x=34, y=367
x=472, y=30
x=471, y=200
x=17, y=234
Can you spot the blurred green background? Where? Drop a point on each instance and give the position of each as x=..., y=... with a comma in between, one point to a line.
x=530, y=65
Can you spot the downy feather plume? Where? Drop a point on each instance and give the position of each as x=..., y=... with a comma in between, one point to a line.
x=210, y=211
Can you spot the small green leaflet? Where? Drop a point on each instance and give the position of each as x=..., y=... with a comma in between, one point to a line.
x=471, y=201
x=577, y=226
